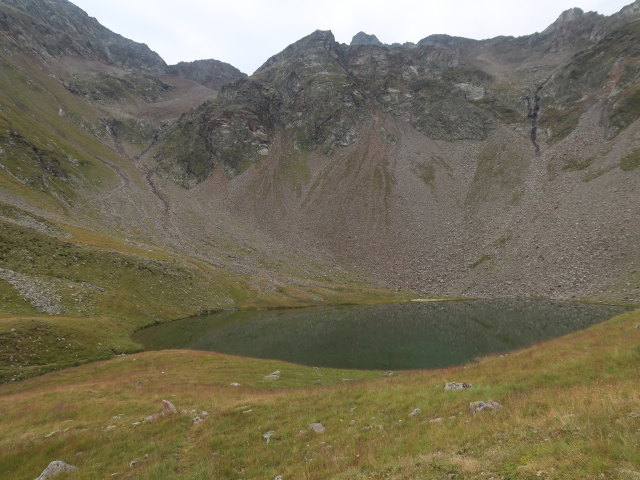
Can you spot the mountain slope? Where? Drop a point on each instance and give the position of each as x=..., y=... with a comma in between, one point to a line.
x=453, y=167
x=93, y=243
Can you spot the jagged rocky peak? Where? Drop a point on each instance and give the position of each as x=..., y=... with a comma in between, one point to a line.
x=631, y=10
x=210, y=73
x=572, y=18
x=362, y=38
x=318, y=43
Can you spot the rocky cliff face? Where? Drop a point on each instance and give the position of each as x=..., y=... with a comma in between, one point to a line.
x=59, y=28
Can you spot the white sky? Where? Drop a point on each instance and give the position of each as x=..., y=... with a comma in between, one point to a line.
x=245, y=33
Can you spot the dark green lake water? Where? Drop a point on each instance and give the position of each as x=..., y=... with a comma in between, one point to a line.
x=395, y=336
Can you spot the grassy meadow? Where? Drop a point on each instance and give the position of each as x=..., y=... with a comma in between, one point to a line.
x=571, y=410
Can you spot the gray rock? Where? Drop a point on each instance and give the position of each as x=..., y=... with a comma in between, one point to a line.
x=54, y=468
x=482, y=406
x=273, y=376
x=415, y=412
x=456, y=386
x=388, y=374
x=133, y=463
x=168, y=408
x=317, y=427
x=267, y=435
x=630, y=473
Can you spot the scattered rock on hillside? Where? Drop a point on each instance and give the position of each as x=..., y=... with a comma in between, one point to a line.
x=234, y=384
x=456, y=386
x=415, y=412
x=54, y=468
x=482, y=406
x=389, y=374
x=40, y=293
x=168, y=408
x=273, y=376
x=267, y=435
x=317, y=427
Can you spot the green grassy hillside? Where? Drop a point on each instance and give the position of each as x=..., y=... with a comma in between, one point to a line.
x=570, y=410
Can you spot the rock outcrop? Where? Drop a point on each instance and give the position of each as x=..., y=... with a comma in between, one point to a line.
x=54, y=468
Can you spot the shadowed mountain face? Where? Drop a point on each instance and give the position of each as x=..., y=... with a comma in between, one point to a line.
x=210, y=73
x=507, y=166
x=57, y=28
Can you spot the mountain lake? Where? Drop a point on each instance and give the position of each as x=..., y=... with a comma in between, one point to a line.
x=388, y=336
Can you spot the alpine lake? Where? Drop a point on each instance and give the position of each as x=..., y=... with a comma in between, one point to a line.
x=379, y=337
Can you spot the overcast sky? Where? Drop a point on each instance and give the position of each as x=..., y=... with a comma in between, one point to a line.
x=245, y=33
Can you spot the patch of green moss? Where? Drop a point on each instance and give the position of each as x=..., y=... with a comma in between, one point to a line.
x=502, y=241
x=480, y=261
x=630, y=162
x=427, y=173
x=576, y=164
x=304, y=141
x=625, y=109
x=560, y=122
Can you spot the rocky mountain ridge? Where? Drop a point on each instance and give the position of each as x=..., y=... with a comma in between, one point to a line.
x=497, y=121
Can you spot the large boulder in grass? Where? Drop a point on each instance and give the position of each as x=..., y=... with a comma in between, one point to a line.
x=54, y=468
x=272, y=376
x=168, y=408
x=482, y=406
x=456, y=386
